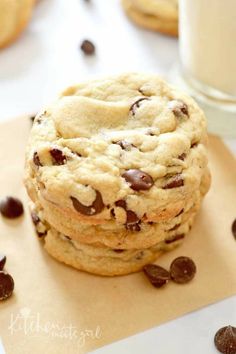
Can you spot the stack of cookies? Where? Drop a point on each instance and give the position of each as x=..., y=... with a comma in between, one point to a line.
x=116, y=170
x=156, y=15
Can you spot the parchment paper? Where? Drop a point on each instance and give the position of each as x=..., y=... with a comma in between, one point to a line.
x=56, y=309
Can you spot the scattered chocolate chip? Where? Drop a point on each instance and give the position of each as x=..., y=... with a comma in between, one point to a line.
x=35, y=218
x=225, y=340
x=125, y=145
x=3, y=260
x=178, y=107
x=6, y=285
x=11, y=207
x=138, y=179
x=112, y=211
x=182, y=156
x=67, y=237
x=174, y=182
x=136, y=105
x=150, y=222
x=182, y=270
x=121, y=203
x=117, y=250
x=157, y=275
x=132, y=221
x=58, y=157
x=174, y=238
x=96, y=207
x=234, y=229
x=36, y=159
x=87, y=47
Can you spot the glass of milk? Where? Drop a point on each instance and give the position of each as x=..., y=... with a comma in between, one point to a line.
x=208, y=47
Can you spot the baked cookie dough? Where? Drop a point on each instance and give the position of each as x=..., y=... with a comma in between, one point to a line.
x=14, y=16
x=156, y=15
x=119, y=162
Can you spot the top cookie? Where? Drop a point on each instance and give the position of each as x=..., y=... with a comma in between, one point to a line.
x=118, y=150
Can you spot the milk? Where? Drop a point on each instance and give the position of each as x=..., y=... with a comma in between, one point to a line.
x=208, y=44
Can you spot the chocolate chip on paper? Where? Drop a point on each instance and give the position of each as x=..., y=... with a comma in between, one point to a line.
x=234, y=229
x=225, y=340
x=157, y=275
x=11, y=207
x=6, y=285
x=87, y=47
x=182, y=270
x=3, y=260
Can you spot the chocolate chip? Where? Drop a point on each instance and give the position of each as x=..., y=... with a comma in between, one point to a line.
x=121, y=203
x=193, y=145
x=178, y=107
x=32, y=119
x=11, y=207
x=225, y=340
x=112, y=211
x=132, y=221
x=179, y=213
x=41, y=234
x=58, y=157
x=234, y=229
x=125, y=145
x=117, y=250
x=35, y=218
x=96, y=207
x=6, y=285
x=182, y=270
x=138, y=179
x=36, y=159
x=133, y=227
x=182, y=156
x=174, y=227
x=87, y=47
x=157, y=275
x=174, y=238
x=174, y=182
x=136, y=105
x=3, y=260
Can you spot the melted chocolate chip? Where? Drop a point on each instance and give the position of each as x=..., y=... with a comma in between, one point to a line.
x=179, y=108
x=182, y=156
x=117, y=250
x=35, y=218
x=133, y=227
x=87, y=47
x=41, y=234
x=11, y=207
x=193, y=145
x=157, y=275
x=6, y=285
x=174, y=182
x=225, y=340
x=234, y=229
x=58, y=157
x=179, y=213
x=121, y=203
x=3, y=260
x=36, y=159
x=174, y=238
x=182, y=270
x=112, y=213
x=136, y=105
x=125, y=145
x=175, y=227
x=96, y=207
x=138, y=179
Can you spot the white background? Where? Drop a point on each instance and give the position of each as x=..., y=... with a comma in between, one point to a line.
x=47, y=58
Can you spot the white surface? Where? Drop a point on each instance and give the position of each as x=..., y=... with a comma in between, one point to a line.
x=44, y=60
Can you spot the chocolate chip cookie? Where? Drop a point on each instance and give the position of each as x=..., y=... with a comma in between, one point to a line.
x=121, y=162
